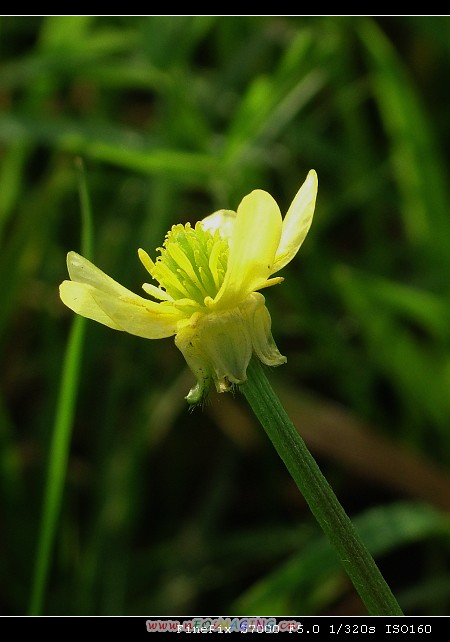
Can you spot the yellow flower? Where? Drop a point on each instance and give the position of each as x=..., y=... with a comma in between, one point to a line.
x=209, y=276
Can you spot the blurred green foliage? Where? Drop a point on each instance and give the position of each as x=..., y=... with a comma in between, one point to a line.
x=167, y=511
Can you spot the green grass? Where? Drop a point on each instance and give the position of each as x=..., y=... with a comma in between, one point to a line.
x=165, y=511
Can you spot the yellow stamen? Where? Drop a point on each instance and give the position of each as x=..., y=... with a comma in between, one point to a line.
x=191, y=265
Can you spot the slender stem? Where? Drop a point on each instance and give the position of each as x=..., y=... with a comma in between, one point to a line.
x=57, y=465
x=353, y=554
x=62, y=429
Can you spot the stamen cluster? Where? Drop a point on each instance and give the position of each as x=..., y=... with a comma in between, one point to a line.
x=192, y=263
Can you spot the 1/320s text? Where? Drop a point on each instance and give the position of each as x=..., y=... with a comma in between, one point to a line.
x=389, y=628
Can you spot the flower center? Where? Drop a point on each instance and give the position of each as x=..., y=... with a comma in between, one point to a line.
x=192, y=263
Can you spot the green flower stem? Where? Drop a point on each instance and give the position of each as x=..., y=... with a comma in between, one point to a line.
x=354, y=556
x=62, y=429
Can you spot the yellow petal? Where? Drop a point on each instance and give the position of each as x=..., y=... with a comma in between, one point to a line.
x=190, y=345
x=297, y=222
x=138, y=316
x=255, y=239
x=223, y=221
x=83, y=271
x=95, y=295
x=78, y=297
x=260, y=322
x=217, y=347
x=226, y=340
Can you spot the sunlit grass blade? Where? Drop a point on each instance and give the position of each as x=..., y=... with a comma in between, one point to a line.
x=62, y=430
